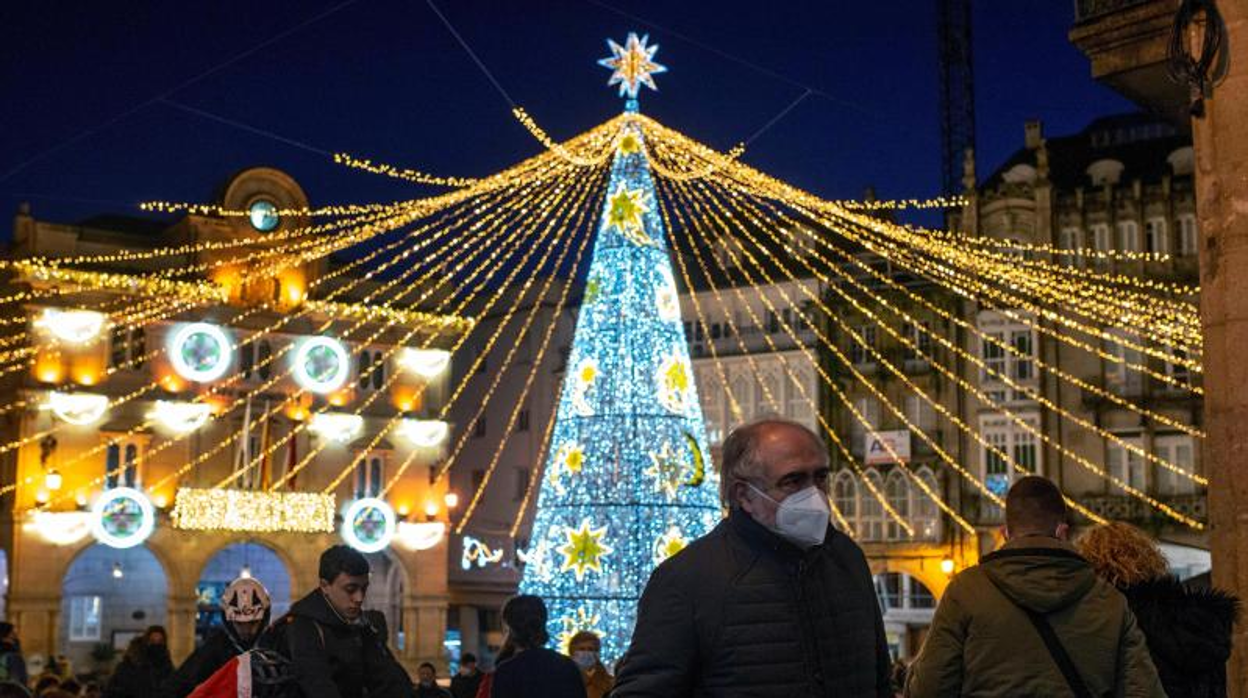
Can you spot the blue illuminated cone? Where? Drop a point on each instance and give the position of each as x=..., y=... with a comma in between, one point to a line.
x=627, y=480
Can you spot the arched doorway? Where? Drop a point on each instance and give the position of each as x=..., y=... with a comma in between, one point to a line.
x=385, y=593
x=108, y=596
x=229, y=563
x=908, y=605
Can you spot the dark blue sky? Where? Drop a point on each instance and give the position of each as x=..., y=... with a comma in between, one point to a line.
x=383, y=78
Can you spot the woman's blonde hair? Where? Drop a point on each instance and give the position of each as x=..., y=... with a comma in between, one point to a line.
x=1122, y=554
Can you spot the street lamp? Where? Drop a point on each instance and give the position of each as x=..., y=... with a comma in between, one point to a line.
x=947, y=566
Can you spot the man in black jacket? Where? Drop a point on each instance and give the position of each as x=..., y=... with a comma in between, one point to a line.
x=773, y=601
x=335, y=652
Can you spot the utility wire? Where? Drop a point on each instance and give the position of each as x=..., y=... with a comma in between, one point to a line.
x=472, y=54
x=240, y=125
x=169, y=92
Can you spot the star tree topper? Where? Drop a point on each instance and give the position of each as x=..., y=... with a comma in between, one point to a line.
x=632, y=65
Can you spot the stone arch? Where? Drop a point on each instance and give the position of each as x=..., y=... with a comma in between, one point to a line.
x=261, y=561
x=107, y=594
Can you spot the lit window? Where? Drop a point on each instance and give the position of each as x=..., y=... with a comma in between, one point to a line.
x=1187, y=235
x=1128, y=236
x=1179, y=451
x=1126, y=465
x=1155, y=236
x=85, y=613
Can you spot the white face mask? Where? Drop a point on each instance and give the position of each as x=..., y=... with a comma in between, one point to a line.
x=802, y=518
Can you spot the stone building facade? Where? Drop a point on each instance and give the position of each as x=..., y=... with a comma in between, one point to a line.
x=68, y=593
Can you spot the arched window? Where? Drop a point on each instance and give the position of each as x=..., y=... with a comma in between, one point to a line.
x=369, y=473
x=131, y=471
x=897, y=491
x=379, y=370
x=266, y=353
x=870, y=512
x=845, y=496
x=924, y=513
x=363, y=362
x=112, y=466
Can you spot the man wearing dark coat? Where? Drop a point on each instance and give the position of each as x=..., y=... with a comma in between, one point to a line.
x=774, y=602
x=334, y=649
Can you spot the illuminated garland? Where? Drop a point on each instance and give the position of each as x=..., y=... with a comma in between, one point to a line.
x=253, y=511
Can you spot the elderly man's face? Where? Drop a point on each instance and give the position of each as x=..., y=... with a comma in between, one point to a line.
x=791, y=461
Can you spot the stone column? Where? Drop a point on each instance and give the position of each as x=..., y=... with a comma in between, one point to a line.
x=1221, y=143
x=180, y=622
x=424, y=625
x=470, y=630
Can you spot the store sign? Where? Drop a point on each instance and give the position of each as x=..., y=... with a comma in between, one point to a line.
x=878, y=444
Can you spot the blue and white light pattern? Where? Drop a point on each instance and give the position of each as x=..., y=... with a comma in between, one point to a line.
x=624, y=485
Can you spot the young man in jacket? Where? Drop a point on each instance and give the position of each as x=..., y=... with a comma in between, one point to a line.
x=334, y=651
x=1033, y=618
x=773, y=602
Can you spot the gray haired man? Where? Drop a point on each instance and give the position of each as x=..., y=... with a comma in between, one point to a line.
x=773, y=601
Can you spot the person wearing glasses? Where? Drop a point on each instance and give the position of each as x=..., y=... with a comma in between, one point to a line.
x=774, y=601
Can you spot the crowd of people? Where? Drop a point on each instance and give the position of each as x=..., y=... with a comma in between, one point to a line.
x=774, y=602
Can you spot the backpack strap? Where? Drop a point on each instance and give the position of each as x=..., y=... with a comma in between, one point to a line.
x=1058, y=651
x=1053, y=644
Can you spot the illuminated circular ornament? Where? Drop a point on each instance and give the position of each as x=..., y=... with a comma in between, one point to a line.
x=122, y=517
x=321, y=364
x=369, y=525
x=200, y=352
x=263, y=215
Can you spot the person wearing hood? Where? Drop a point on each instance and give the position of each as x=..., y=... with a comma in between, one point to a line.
x=1188, y=629
x=333, y=648
x=772, y=603
x=1033, y=618
x=245, y=606
x=144, y=668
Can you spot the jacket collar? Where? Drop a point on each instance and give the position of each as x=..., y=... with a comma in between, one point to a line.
x=1043, y=546
x=758, y=537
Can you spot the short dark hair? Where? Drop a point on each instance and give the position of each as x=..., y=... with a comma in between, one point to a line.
x=525, y=616
x=468, y=658
x=738, y=460
x=1034, y=505
x=342, y=559
x=6, y=628
x=431, y=667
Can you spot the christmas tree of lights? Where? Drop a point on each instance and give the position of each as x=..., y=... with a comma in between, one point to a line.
x=626, y=482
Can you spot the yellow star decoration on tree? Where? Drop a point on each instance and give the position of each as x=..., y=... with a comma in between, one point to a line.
x=665, y=470
x=625, y=212
x=674, y=383
x=630, y=144
x=669, y=544
x=677, y=376
x=632, y=64
x=584, y=550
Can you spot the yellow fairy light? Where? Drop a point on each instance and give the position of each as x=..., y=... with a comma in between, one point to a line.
x=253, y=511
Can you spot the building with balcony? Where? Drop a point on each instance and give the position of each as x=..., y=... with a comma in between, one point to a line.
x=1121, y=189
x=176, y=421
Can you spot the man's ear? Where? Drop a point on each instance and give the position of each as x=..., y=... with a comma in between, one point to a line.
x=1063, y=531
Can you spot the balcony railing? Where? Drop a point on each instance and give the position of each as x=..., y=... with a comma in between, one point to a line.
x=1091, y=9
x=1117, y=507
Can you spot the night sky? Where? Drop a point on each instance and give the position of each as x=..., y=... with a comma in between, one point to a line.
x=385, y=79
